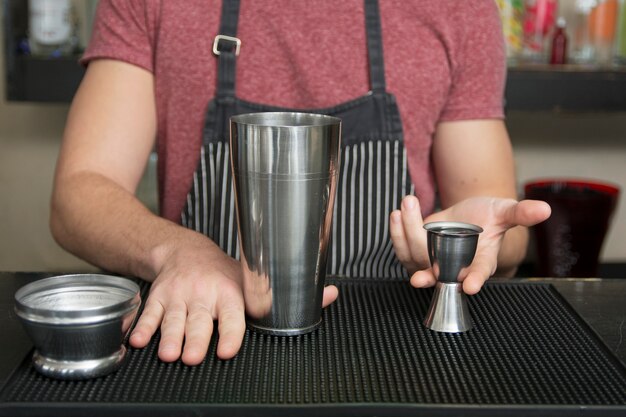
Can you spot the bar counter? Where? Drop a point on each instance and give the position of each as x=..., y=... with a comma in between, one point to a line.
x=598, y=315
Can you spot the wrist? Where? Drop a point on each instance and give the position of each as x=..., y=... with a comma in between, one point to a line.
x=177, y=244
x=166, y=243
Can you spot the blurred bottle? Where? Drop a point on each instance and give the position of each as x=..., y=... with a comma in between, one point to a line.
x=512, y=14
x=602, y=23
x=539, y=20
x=582, y=50
x=620, y=39
x=558, y=53
x=50, y=27
x=594, y=31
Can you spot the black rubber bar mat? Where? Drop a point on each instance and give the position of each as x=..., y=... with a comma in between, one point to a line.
x=528, y=352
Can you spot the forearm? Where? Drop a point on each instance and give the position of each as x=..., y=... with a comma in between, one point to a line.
x=103, y=223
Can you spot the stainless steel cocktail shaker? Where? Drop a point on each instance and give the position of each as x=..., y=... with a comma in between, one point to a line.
x=285, y=168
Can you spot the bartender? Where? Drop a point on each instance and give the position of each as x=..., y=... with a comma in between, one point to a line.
x=418, y=85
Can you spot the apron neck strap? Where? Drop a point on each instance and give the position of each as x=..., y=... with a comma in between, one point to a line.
x=230, y=18
x=374, y=46
x=226, y=47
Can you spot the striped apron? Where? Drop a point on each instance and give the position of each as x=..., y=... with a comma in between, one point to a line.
x=373, y=177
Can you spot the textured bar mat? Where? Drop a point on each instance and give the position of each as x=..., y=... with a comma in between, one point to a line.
x=528, y=351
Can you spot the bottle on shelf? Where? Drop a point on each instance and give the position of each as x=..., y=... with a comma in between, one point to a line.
x=512, y=14
x=558, y=52
x=602, y=22
x=594, y=29
x=51, y=29
x=539, y=20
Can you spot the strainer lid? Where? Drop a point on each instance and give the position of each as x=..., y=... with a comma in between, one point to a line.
x=76, y=299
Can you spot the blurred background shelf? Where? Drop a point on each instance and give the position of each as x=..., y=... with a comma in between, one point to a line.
x=528, y=88
x=566, y=88
x=37, y=79
x=46, y=80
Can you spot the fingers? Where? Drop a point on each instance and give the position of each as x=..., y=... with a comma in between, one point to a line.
x=399, y=241
x=534, y=211
x=413, y=225
x=198, y=332
x=527, y=213
x=147, y=324
x=330, y=295
x=476, y=278
x=408, y=236
x=172, y=332
x=232, y=324
x=423, y=279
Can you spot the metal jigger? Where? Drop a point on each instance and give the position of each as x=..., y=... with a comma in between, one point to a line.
x=451, y=247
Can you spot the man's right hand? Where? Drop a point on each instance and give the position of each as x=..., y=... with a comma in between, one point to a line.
x=197, y=284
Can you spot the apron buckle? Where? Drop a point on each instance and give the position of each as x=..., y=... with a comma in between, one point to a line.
x=217, y=40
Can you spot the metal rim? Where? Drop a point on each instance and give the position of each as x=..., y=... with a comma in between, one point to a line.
x=77, y=370
x=442, y=227
x=285, y=119
x=283, y=332
x=106, y=283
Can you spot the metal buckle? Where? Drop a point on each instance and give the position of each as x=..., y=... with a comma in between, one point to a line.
x=217, y=40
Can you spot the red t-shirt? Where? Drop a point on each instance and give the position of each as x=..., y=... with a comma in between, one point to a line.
x=444, y=60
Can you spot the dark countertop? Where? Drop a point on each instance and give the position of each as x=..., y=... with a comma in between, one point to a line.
x=600, y=302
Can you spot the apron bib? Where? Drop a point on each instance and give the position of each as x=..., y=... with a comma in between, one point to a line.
x=373, y=176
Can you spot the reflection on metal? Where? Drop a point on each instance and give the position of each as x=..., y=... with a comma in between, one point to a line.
x=451, y=248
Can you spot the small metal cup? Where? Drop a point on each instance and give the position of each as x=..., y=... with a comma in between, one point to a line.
x=451, y=247
x=285, y=168
x=78, y=323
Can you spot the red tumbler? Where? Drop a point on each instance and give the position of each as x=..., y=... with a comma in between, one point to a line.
x=568, y=243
